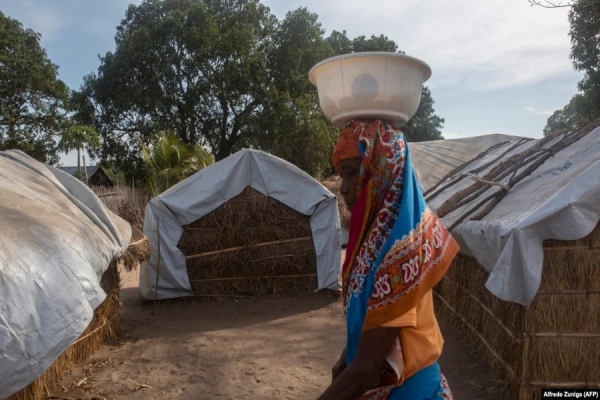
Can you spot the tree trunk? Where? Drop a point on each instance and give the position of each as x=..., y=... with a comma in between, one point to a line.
x=78, y=163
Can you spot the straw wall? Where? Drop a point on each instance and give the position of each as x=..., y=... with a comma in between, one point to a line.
x=103, y=327
x=128, y=203
x=251, y=245
x=333, y=185
x=554, y=343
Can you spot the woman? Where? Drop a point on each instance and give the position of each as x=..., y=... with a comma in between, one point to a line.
x=397, y=251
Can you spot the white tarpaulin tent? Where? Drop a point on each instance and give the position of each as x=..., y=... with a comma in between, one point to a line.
x=434, y=159
x=207, y=189
x=57, y=240
x=559, y=199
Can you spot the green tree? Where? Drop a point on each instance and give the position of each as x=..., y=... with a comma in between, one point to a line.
x=584, y=107
x=197, y=67
x=570, y=117
x=291, y=124
x=168, y=161
x=78, y=137
x=222, y=74
x=425, y=124
x=32, y=98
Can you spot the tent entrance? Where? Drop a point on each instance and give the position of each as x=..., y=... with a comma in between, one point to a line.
x=251, y=245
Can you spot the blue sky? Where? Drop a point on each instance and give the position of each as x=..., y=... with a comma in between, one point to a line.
x=499, y=66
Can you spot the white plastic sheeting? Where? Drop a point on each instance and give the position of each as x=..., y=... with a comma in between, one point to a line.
x=559, y=200
x=207, y=189
x=56, y=241
x=433, y=160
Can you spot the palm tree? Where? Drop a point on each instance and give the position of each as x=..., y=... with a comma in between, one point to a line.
x=169, y=161
x=76, y=138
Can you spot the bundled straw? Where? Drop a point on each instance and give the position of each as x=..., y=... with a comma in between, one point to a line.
x=136, y=253
x=556, y=341
x=250, y=245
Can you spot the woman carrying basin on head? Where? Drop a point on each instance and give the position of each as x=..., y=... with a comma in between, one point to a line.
x=397, y=251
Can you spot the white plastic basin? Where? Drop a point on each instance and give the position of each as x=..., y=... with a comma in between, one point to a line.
x=370, y=85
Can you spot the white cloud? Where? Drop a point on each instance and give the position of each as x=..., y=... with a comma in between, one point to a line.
x=537, y=111
x=45, y=20
x=471, y=45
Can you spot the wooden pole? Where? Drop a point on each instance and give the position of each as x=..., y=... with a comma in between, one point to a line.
x=212, y=253
x=157, y=262
x=593, y=247
x=252, y=277
x=87, y=180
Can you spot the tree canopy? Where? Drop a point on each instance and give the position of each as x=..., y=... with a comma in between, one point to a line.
x=32, y=98
x=584, y=107
x=223, y=74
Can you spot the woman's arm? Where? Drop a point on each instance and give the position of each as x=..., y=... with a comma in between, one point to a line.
x=363, y=374
x=339, y=366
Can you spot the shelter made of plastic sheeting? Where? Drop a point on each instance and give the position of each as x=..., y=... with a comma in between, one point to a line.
x=433, y=160
x=559, y=199
x=207, y=189
x=57, y=240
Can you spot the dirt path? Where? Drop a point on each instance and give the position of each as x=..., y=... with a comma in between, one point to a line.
x=245, y=349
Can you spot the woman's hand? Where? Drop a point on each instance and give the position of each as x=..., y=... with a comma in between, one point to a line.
x=339, y=367
x=363, y=374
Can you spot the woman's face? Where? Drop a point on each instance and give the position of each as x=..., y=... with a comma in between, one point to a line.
x=349, y=170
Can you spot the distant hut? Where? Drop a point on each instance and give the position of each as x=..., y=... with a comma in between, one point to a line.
x=96, y=176
x=251, y=224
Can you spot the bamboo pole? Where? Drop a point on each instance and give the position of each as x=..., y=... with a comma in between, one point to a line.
x=566, y=385
x=486, y=309
x=87, y=180
x=157, y=263
x=508, y=368
x=280, y=256
x=593, y=247
x=569, y=291
x=251, y=277
x=138, y=241
x=486, y=182
x=574, y=335
x=215, y=252
x=525, y=349
x=106, y=194
x=102, y=326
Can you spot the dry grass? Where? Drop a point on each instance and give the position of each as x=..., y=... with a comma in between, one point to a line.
x=333, y=185
x=556, y=341
x=250, y=245
x=104, y=327
x=128, y=203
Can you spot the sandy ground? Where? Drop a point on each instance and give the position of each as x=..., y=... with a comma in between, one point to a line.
x=244, y=349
